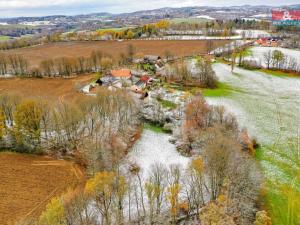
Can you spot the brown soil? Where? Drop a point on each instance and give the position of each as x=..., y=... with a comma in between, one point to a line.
x=50, y=89
x=28, y=182
x=70, y=49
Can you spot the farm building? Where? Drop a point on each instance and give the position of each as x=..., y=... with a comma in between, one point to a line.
x=106, y=81
x=152, y=58
x=144, y=81
x=87, y=88
x=116, y=78
x=121, y=74
x=268, y=42
x=122, y=78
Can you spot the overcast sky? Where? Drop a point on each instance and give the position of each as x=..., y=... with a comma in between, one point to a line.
x=12, y=8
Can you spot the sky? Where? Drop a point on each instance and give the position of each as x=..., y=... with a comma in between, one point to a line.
x=14, y=8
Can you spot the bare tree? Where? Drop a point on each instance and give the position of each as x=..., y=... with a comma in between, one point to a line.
x=268, y=58
x=158, y=176
x=3, y=65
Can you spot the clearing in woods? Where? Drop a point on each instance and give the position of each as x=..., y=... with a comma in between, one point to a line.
x=114, y=48
x=28, y=182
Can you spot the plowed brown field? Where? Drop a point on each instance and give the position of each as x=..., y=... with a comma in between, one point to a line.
x=70, y=49
x=50, y=89
x=28, y=182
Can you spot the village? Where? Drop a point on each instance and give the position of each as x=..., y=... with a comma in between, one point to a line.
x=136, y=80
x=146, y=71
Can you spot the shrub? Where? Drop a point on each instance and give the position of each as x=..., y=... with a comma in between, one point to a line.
x=251, y=65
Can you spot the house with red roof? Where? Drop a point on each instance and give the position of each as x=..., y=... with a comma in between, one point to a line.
x=121, y=74
x=268, y=42
x=144, y=81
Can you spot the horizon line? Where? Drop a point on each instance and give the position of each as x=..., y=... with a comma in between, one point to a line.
x=136, y=11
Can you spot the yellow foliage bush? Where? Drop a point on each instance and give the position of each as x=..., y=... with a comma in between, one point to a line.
x=54, y=213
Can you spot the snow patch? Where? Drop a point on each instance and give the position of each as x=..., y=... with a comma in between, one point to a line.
x=258, y=54
x=153, y=148
x=205, y=17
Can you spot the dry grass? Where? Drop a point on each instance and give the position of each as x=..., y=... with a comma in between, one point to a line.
x=70, y=49
x=28, y=182
x=50, y=89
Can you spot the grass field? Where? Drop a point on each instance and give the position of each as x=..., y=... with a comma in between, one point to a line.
x=279, y=73
x=28, y=182
x=4, y=38
x=114, y=48
x=167, y=104
x=154, y=128
x=50, y=89
x=222, y=90
x=268, y=106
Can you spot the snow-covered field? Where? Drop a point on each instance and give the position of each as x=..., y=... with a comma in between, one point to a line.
x=36, y=23
x=153, y=148
x=258, y=53
x=268, y=106
x=205, y=17
x=194, y=37
x=253, y=33
x=230, y=46
x=265, y=15
x=265, y=104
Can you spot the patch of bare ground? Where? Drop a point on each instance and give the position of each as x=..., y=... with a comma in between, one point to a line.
x=28, y=182
x=50, y=89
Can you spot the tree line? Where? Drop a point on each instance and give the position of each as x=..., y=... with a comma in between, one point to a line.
x=86, y=130
x=221, y=25
x=276, y=59
x=64, y=66
x=271, y=59
x=20, y=43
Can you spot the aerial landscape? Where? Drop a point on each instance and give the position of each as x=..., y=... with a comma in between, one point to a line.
x=149, y=113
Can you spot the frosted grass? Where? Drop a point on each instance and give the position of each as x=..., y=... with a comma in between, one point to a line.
x=268, y=106
x=153, y=148
x=258, y=54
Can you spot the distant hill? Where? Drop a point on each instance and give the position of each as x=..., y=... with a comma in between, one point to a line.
x=168, y=12
x=20, y=26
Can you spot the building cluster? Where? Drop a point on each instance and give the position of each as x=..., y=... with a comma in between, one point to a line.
x=136, y=80
x=268, y=42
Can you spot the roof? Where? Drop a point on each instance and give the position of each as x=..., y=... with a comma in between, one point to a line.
x=145, y=78
x=108, y=79
x=121, y=73
x=263, y=39
x=140, y=84
x=152, y=57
